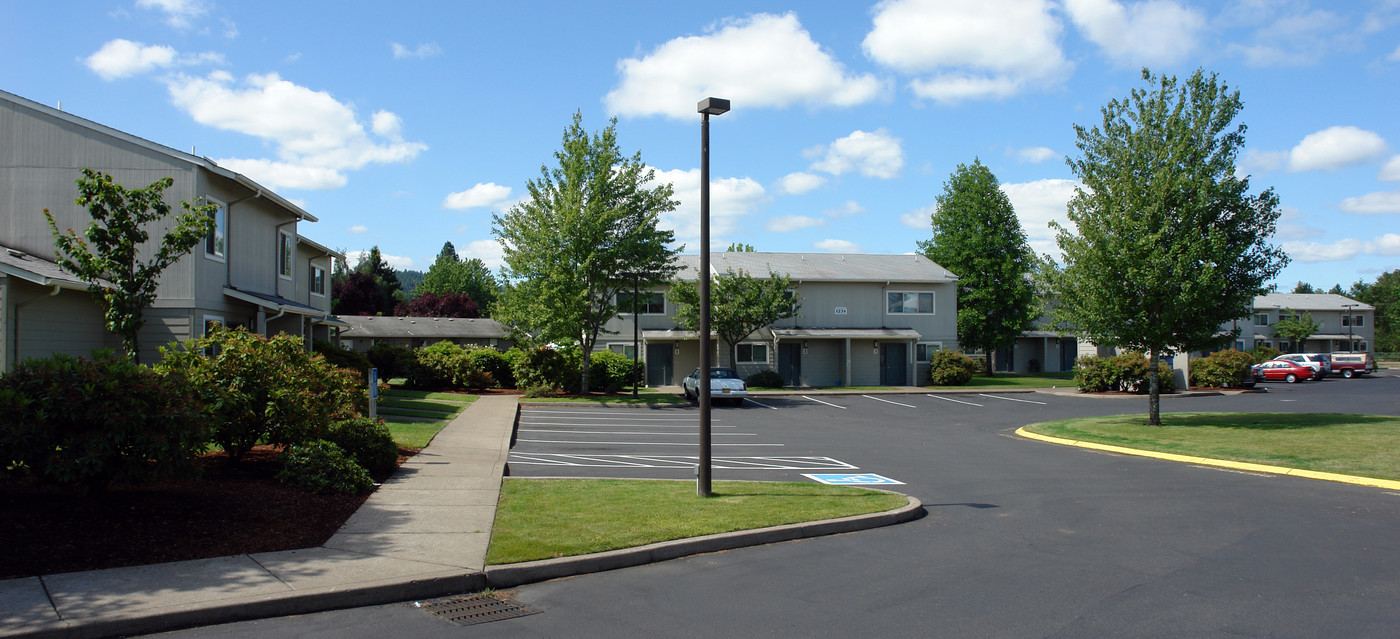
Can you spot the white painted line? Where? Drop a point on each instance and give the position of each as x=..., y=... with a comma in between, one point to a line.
x=691, y=425
x=1012, y=399
x=822, y=402
x=955, y=401
x=539, y=415
x=593, y=443
x=889, y=402
x=679, y=462
x=628, y=432
x=760, y=403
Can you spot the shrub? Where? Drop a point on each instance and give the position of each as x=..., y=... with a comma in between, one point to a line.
x=1263, y=354
x=766, y=378
x=321, y=467
x=1223, y=369
x=342, y=357
x=392, y=361
x=1094, y=374
x=492, y=362
x=264, y=389
x=610, y=372
x=79, y=422
x=542, y=390
x=546, y=367
x=951, y=368
x=1126, y=372
x=439, y=366
x=368, y=441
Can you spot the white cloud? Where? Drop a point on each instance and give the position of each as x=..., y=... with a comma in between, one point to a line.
x=799, y=183
x=876, y=154
x=358, y=228
x=1145, y=33
x=1255, y=161
x=488, y=251
x=484, y=195
x=972, y=49
x=764, y=60
x=1391, y=171
x=1334, y=148
x=1288, y=34
x=123, y=58
x=849, y=207
x=790, y=223
x=1345, y=249
x=1037, y=204
x=732, y=200
x=312, y=132
x=1035, y=154
x=178, y=13
x=921, y=219
x=398, y=263
x=1292, y=226
x=284, y=175
x=1380, y=202
x=425, y=50
x=837, y=246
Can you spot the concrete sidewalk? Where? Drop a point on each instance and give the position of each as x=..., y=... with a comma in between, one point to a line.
x=422, y=534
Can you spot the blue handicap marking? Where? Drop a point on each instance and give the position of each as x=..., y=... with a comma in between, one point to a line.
x=861, y=479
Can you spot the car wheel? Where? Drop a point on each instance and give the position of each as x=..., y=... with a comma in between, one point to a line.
x=1291, y=378
x=1348, y=373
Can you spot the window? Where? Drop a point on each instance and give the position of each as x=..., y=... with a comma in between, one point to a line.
x=214, y=242
x=923, y=351
x=752, y=353
x=211, y=322
x=920, y=303
x=649, y=303
x=624, y=350
x=286, y=251
x=318, y=280
x=1359, y=320
x=1346, y=320
x=1261, y=319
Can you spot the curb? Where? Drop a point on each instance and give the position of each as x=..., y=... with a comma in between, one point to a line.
x=1222, y=463
x=511, y=575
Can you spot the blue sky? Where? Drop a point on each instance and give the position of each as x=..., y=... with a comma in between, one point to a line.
x=408, y=124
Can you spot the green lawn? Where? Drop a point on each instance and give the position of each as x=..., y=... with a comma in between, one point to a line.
x=396, y=405
x=1362, y=445
x=546, y=518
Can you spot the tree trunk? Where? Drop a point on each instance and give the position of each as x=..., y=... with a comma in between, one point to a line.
x=583, y=378
x=1154, y=391
x=987, y=354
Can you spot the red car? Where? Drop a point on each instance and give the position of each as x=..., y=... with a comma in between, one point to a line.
x=1282, y=369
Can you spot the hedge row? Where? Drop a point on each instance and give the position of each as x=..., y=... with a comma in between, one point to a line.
x=1126, y=373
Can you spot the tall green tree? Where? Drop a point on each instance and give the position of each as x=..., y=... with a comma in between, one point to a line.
x=1297, y=328
x=1167, y=242
x=586, y=222
x=1384, y=296
x=1304, y=288
x=451, y=274
x=977, y=236
x=108, y=254
x=739, y=304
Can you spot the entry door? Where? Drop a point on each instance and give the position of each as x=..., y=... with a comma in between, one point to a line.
x=1069, y=351
x=790, y=363
x=894, y=359
x=661, y=368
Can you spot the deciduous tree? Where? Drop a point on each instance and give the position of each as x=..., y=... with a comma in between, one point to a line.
x=739, y=304
x=1166, y=242
x=450, y=274
x=1295, y=327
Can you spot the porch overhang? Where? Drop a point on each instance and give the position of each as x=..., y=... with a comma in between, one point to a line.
x=846, y=333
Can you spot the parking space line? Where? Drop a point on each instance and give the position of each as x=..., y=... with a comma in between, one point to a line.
x=540, y=415
x=628, y=432
x=1012, y=399
x=955, y=401
x=822, y=402
x=889, y=402
x=594, y=443
x=679, y=462
x=760, y=403
x=690, y=426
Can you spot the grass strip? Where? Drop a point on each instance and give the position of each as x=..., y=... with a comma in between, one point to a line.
x=446, y=408
x=546, y=518
x=412, y=433
x=459, y=398
x=1360, y=445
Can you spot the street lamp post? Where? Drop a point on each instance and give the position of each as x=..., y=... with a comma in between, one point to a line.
x=1350, y=320
x=636, y=292
x=707, y=108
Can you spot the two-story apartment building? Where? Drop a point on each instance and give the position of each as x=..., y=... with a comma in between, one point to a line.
x=255, y=269
x=863, y=320
x=1345, y=325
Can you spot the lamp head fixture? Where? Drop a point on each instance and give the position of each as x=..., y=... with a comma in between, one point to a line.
x=713, y=106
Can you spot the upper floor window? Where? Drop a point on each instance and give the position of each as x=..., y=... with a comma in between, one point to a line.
x=318, y=280
x=1359, y=320
x=752, y=353
x=920, y=303
x=648, y=303
x=1261, y=319
x=214, y=243
x=286, y=251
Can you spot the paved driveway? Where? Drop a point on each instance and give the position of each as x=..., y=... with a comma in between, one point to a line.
x=1023, y=539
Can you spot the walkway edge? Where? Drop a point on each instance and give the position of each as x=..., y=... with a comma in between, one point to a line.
x=511, y=575
x=1222, y=463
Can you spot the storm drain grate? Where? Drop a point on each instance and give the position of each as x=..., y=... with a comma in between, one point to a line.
x=470, y=610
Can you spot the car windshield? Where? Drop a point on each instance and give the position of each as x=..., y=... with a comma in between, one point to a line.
x=723, y=373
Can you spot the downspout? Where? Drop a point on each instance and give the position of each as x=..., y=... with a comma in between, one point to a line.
x=228, y=235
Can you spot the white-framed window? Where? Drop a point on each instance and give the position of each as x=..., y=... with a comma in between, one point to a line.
x=1239, y=345
x=1346, y=320
x=648, y=303
x=286, y=254
x=624, y=350
x=216, y=243
x=1359, y=320
x=923, y=351
x=751, y=353
x=318, y=281
x=211, y=322
x=1261, y=319
x=907, y=303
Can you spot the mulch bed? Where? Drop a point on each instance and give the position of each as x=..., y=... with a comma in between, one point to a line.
x=232, y=510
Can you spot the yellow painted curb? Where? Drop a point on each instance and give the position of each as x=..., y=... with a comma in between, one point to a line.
x=1258, y=468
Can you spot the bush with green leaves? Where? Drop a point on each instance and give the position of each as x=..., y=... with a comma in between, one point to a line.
x=1126, y=372
x=1263, y=354
x=951, y=368
x=547, y=368
x=322, y=467
x=1222, y=369
x=489, y=360
x=438, y=367
x=392, y=361
x=92, y=423
x=368, y=441
x=259, y=389
x=342, y=357
x=766, y=378
x=611, y=372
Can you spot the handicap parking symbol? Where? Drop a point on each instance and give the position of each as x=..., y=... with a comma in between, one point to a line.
x=862, y=479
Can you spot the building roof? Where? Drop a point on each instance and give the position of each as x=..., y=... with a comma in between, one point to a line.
x=828, y=267
x=43, y=272
x=1309, y=302
x=425, y=327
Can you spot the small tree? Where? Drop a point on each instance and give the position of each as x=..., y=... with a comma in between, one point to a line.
x=107, y=256
x=739, y=304
x=450, y=274
x=1296, y=328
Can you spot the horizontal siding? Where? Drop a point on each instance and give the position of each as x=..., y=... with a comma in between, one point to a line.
x=69, y=323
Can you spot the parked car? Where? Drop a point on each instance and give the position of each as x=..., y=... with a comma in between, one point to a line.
x=1282, y=369
x=1349, y=365
x=1321, y=363
x=724, y=384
